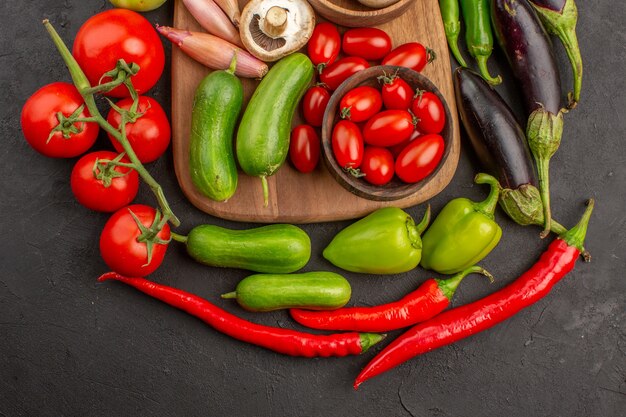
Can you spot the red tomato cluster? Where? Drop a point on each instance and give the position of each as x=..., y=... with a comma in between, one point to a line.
x=336, y=58
x=403, y=139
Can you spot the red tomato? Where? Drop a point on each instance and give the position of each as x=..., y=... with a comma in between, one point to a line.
x=360, y=103
x=119, y=246
x=39, y=117
x=304, y=148
x=377, y=165
x=388, y=128
x=429, y=111
x=97, y=189
x=397, y=149
x=397, y=93
x=324, y=44
x=119, y=34
x=337, y=72
x=411, y=55
x=368, y=43
x=347, y=144
x=149, y=135
x=420, y=158
x=314, y=104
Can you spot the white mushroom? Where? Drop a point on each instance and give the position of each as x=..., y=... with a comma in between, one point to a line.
x=272, y=29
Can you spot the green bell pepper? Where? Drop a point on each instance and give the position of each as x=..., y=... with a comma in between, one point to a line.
x=385, y=242
x=463, y=233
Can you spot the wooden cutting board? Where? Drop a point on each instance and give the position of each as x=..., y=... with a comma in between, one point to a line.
x=315, y=197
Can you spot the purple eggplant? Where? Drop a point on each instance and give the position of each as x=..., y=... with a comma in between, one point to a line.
x=559, y=17
x=529, y=52
x=501, y=147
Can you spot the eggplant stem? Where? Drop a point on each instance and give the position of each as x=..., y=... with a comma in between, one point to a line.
x=543, y=171
x=570, y=42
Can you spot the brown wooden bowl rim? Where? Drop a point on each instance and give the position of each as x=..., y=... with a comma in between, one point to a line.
x=396, y=189
x=362, y=13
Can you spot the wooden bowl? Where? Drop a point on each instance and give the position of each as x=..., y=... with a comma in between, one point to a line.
x=396, y=189
x=353, y=14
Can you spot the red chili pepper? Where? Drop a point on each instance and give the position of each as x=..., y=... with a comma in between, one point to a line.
x=288, y=342
x=428, y=300
x=464, y=321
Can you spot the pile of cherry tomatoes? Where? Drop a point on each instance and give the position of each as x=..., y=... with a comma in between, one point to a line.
x=382, y=132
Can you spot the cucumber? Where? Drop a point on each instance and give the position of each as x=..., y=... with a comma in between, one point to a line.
x=310, y=290
x=263, y=137
x=216, y=107
x=277, y=248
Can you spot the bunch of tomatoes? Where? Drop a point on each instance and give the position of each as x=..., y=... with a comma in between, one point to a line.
x=57, y=122
x=383, y=131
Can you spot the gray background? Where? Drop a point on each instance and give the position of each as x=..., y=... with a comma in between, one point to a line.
x=72, y=347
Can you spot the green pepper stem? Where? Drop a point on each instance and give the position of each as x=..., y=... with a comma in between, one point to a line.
x=229, y=295
x=448, y=286
x=488, y=205
x=369, y=339
x=576, y=235
x=543, y=172
x=178, y=238
x=423, y=224
x=481, y=60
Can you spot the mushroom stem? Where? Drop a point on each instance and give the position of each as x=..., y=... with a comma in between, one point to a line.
x=275, y=21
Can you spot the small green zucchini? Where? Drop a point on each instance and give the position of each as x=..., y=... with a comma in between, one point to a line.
x=216, y=107
x=263, y=136
x=310, y=290
x=277, y=248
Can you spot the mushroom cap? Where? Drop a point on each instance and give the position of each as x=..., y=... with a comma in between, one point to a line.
x=270, y=43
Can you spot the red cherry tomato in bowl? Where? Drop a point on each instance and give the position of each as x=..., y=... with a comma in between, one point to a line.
x=377, y=165
x=118, y=34
x=339, y=71
x=360, y=103
x=149, y=135
x=120, y=247
x=368, y=43
x=347, y=144
x=412, y=55
x=431, y=116
x=420, y=158
x=314, y=105
x=324, y=44
x=40, y=117
x=304, y=148
x=397, y=94
x=107, y=189
x=397, y=149
x=388, y=128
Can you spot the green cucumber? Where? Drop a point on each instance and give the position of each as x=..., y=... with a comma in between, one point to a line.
x=310, y=290
x=277, y=248
x=263, y=137
x=216, y=107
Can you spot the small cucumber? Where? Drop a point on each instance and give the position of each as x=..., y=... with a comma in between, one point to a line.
x=310, y=290
x=263, y=136
x=216, y=107
x=277, y=248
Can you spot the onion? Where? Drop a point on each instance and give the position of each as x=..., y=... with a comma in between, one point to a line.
x=231, y=8
x=213, y=20
x=214, y=52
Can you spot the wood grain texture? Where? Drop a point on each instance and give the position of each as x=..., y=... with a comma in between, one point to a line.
x=315, y=197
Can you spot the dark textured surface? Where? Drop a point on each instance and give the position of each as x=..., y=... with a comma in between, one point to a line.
x=72, y=347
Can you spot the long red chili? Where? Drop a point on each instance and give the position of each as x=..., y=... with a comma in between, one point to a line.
x=464, y=321
x=288, y=342
x=428, y=300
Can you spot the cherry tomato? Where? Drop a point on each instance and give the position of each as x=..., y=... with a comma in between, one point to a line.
x=388, y=128
x=411, y=55
x=429, y=111
x=368, y=43
x=324, y=44
x=337, y=72
x=314, y=104
x=120, y=247
x=100, y=190
x=119, y=34
x=40, y=117
x=397, y=93
x=360, y=103
x=420, y=158
x=347, y=144
x=304, y=148
x=377, y=165
x=397, y=149
x=149, y=135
